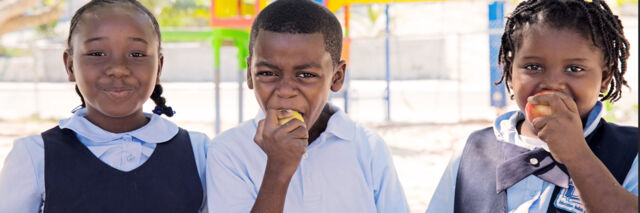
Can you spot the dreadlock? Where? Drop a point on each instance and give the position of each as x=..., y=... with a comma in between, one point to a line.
x=593, y=19
x=93, y=5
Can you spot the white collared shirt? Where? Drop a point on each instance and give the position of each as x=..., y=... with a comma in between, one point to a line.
x=531, y=194
x=346, y=169
x=22, y=177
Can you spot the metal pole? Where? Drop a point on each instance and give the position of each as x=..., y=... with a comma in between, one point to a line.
x=387, y=96
x=459, y=62
x=240, y=93
x=216, y=71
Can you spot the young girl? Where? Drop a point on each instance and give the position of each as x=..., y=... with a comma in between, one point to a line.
x=109, y=156
x=567, y=159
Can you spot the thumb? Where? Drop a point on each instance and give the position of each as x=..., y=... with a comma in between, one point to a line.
x=258, y=137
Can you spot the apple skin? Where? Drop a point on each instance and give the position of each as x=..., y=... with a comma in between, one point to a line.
x=295, y=115
x=536, y=110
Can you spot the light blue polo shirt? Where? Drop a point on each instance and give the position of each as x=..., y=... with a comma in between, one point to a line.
x=346, y=169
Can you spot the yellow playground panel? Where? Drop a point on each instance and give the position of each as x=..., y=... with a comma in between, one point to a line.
x=335, y=5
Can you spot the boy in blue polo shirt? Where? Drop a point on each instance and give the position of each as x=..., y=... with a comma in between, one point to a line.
x=326, y=163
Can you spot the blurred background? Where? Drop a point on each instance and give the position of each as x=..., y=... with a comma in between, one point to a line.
x=420, y=73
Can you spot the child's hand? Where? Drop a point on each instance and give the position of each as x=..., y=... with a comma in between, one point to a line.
x=284, y=144
x=562, y=130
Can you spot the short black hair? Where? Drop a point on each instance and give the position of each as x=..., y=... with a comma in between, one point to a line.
x=300, y=16
x=156, y=95
x=593, y=19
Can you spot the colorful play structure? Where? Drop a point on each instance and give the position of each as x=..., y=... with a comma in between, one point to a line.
x=231, y=21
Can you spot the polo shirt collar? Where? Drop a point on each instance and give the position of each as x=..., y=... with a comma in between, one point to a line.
x=158, y=129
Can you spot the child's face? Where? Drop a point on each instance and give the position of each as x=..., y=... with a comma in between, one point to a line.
x=115, y=61
x=560, y=60
x=293, y=71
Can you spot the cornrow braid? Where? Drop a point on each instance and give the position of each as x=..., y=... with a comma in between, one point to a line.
x=588, y=18
x=161, y=107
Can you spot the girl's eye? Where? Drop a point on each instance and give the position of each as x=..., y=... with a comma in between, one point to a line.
x=305, y=75
x=135, y=55
x=96, y=54
x=533, y=67
x=574, y=69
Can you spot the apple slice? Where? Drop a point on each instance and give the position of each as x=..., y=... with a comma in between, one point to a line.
x=295, y=115
x=536, y=110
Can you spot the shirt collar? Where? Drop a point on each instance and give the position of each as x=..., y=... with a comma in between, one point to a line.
x=339, y=124
x=504, y=126
x=158, y=129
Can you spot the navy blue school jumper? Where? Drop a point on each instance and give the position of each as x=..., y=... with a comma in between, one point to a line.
x=77, y=181
x=476, y=190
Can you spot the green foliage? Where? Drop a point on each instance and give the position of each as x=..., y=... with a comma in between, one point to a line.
x=180, y=13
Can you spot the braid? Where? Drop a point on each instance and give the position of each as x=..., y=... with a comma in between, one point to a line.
x=507, y=47
x=588, y=18
x=161, y=107
x=80, y=94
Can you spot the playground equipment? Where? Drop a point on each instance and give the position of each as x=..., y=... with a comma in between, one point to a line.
x=231, y=19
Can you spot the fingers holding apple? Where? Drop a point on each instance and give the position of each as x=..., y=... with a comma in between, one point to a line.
x=283, y=137
x=537, y=110
x=556, y=121
x=287, y=115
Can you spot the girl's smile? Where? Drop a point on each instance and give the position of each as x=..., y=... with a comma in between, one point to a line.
x=559, y=60
x=114, y=58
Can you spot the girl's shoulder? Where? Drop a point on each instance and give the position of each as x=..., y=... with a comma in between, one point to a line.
x=198, y=139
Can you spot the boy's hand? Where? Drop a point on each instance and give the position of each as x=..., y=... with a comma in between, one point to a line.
x=284, y=144
x=562, y=130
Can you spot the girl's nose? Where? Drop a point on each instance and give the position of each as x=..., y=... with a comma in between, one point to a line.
x=555, y=80
x=118, y=68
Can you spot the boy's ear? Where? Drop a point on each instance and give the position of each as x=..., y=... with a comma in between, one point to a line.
x=339, y=72
x=67, y=58
x=607, y=77
x=160, y=64
x=249, y=81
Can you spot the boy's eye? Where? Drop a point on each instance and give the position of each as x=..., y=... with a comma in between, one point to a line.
x=266, y=73
x=574, y=69
x=305, y=75
x=138, y=55
x=533, y=67
x=96, y=54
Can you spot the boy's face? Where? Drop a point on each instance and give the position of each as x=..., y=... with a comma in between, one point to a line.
x=560, y=60
x=115, y=61
x=293, y=71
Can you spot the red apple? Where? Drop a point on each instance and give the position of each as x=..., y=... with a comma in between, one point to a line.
x=536, y=110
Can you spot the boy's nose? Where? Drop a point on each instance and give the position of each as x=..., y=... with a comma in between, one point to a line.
x=286, y=88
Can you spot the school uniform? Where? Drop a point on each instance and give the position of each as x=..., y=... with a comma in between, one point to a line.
x=348, y=168
x=501, y=171
x=79, y=167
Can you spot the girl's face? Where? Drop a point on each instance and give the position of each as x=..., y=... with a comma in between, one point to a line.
x=115, y=61
x=560, y=60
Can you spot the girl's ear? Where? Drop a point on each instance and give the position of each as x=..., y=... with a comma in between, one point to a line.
x=67, y=58
x=338, y=76
x=249, y=81
x=607, y=77
x=160, y=63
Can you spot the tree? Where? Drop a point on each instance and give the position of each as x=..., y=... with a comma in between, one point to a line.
x=14, y=16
